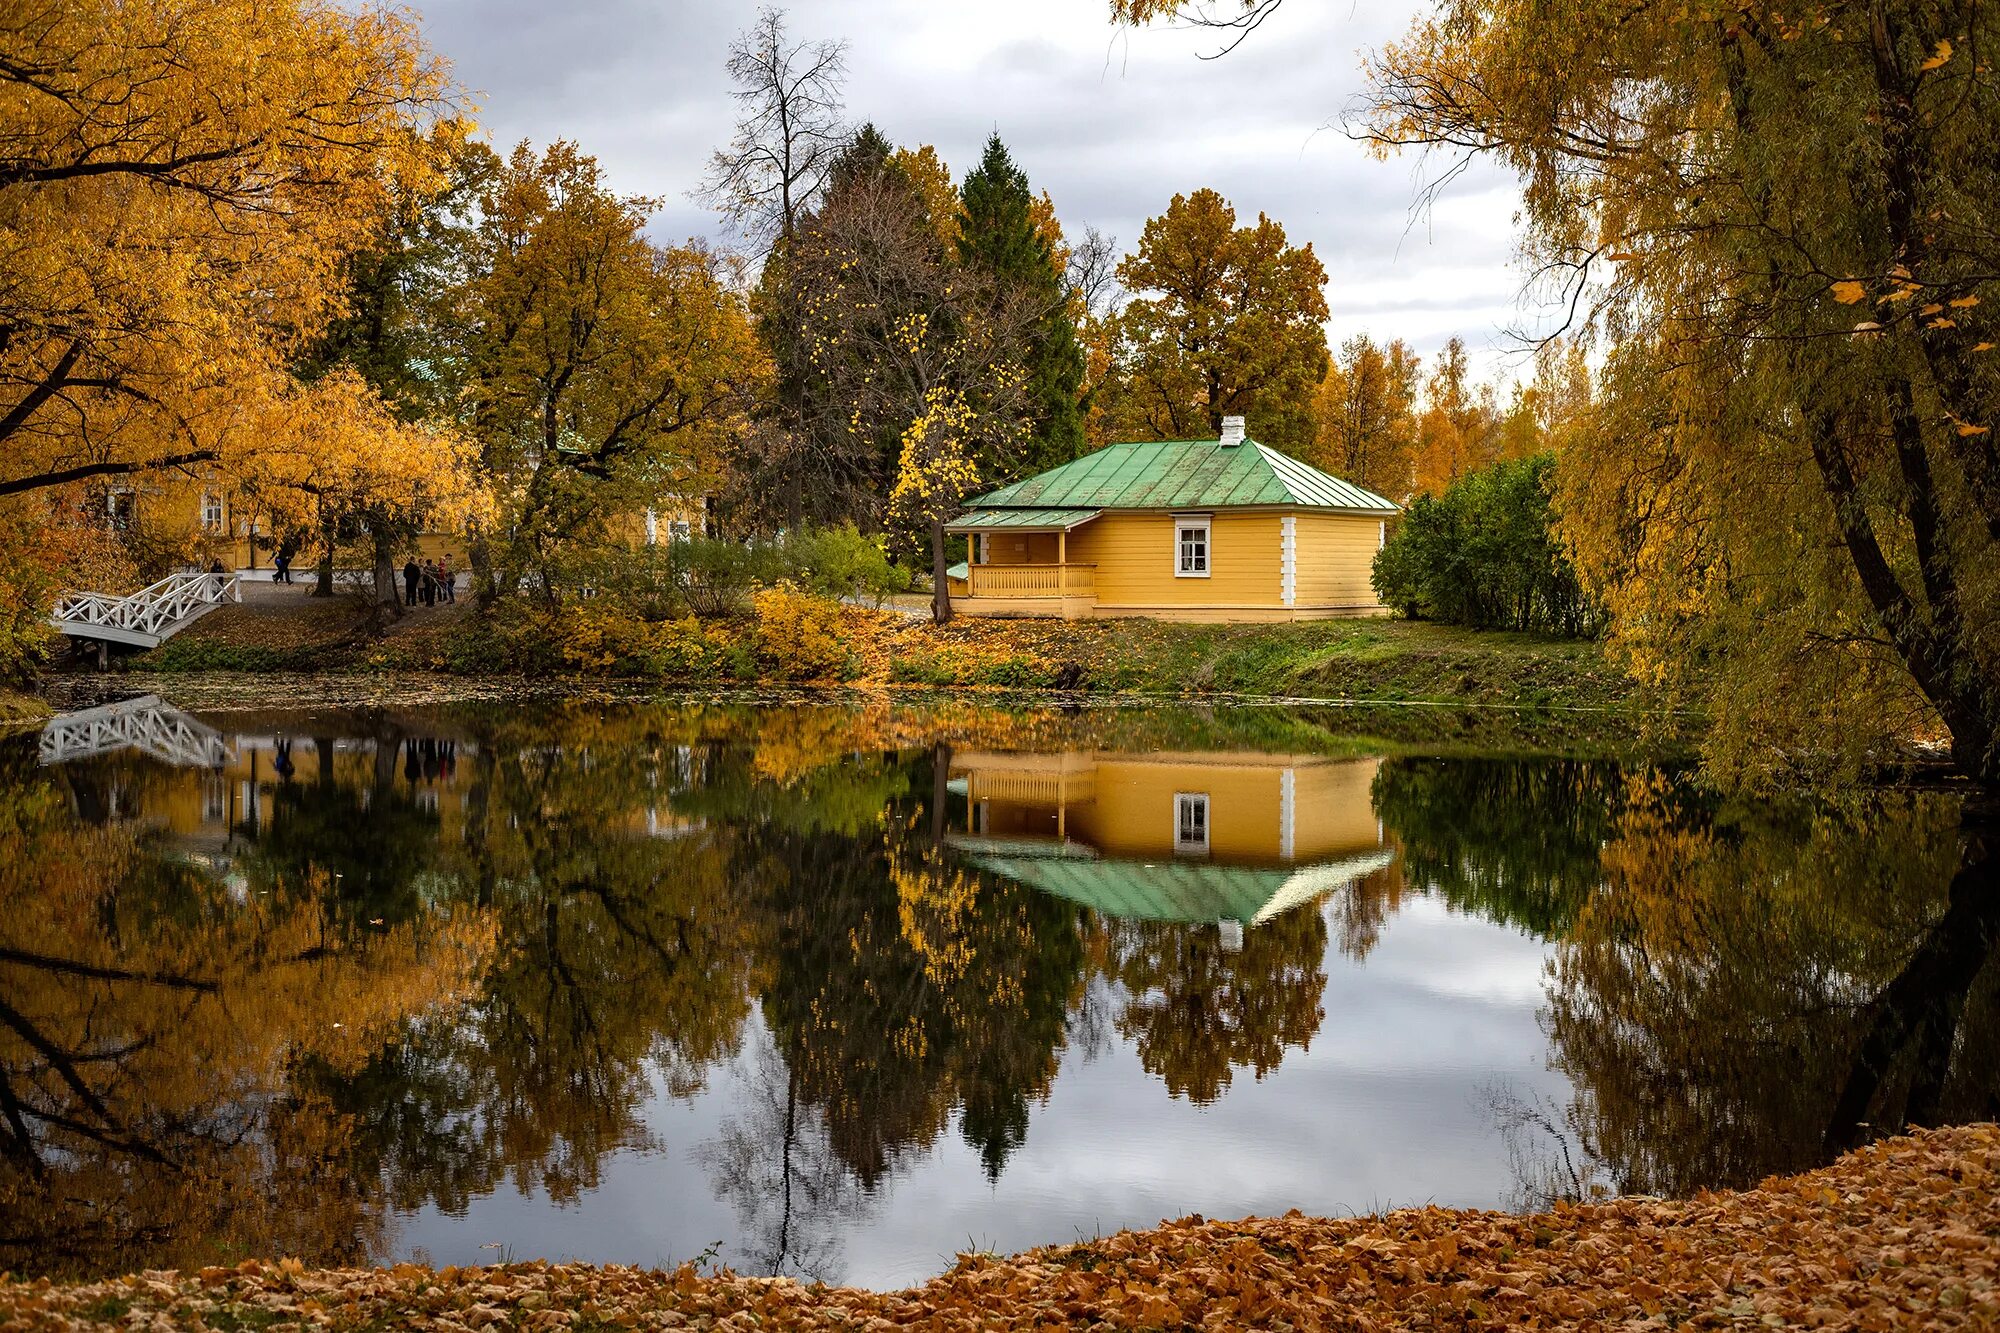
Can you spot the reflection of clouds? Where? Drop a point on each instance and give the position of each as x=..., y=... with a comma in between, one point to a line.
x=1449, y=953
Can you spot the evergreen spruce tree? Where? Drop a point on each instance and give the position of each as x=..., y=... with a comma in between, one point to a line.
x=997, y=236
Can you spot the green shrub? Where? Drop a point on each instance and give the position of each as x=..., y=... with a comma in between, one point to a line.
x=1484, y=554
x=841, y=562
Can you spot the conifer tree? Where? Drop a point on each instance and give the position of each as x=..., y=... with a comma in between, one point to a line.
x=998, y=237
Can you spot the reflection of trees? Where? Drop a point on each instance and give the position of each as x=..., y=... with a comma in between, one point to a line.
x=907, y=987
x=626, y=955
x=1198, y=1012
x=147, y=1026
x=1748, y=984
x=1513, y=840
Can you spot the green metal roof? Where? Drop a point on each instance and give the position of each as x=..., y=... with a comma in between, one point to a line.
x=1190, y=891
x=1183, y=891
x=1183, y=474
x=981, y=520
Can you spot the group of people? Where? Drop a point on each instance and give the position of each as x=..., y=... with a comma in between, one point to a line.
x=432, y=580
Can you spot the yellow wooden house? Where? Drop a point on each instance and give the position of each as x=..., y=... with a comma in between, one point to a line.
x=1223, y=529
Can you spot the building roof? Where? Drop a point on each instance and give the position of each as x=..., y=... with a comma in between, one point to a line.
x=1183, y=474
x=986, y=520
x=1184, y=891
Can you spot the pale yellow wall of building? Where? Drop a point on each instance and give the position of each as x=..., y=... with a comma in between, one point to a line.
x=1136, y=558
x=1336, y=560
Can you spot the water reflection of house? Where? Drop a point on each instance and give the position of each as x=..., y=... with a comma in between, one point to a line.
x=1229, y=838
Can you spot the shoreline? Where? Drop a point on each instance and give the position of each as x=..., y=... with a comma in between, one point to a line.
x=1905, y=1231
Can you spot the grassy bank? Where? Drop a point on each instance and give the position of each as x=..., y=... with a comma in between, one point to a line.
x=1383, y=661
x=20, y=710
x=1903, y=1233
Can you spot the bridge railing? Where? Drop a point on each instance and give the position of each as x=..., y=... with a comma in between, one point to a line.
x=152, y=607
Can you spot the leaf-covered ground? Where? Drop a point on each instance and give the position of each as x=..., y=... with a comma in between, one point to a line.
x=1903, y=1234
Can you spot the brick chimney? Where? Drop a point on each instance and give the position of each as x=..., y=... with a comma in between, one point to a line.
x=1232, y=432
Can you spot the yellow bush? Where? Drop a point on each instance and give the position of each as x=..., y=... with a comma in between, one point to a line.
x=599, y=636
x=799, y=636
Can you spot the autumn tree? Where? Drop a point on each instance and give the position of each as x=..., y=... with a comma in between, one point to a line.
x=175, y=228
x=1001, y=238
x=332, y=455
x=874, y=329
x=399, y=332
x=926, y=171
x=603, y=370
x=790, y=132
x=1458, y=429
x=1789, y=228
x=1366, y=429
x=1221, y=320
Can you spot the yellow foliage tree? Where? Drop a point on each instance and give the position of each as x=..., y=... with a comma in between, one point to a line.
x=180, y=183
x=603, y=369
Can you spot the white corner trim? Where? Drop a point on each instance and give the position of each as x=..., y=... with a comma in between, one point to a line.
x=1288, y=559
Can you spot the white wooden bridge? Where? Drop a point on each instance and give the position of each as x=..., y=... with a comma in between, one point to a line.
x=147, y=618
x=148, y=724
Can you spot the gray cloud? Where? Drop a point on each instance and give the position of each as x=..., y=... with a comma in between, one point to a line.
x=1111, y=123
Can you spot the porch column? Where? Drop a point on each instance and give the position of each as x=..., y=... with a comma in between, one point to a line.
x=1062, y=562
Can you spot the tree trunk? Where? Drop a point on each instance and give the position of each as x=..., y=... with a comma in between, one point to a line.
x=940, y=585
x=385, y=572
x=323, y=583
x=483, y=588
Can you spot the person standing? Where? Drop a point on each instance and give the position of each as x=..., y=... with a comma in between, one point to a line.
x=449, y=579
x=430, y=583
x=411, y=573
x=281, y=568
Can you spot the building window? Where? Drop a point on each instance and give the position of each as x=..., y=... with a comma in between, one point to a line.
x=211, y=511
x=652, y=528
x=120, y=506
x=1191, y=548
x=1191, y=823
x=680, y=530
x=1382, y=540
x=982, y=549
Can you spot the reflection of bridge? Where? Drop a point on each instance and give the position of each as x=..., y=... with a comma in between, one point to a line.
x=148, y=724
x=147, y=618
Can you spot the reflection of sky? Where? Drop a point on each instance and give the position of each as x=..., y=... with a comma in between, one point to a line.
x=1386, y=1108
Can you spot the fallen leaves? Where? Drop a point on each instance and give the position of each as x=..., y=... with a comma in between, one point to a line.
x=1905, y=1232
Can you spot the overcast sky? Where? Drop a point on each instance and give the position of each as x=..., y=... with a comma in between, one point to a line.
x=1112, y=123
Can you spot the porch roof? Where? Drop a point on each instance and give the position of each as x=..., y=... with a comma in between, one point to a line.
x=1021, y=520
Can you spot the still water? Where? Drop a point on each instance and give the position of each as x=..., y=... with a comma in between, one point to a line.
x=840, y=991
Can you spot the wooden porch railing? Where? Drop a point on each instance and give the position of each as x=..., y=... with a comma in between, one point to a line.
x=1031, y=581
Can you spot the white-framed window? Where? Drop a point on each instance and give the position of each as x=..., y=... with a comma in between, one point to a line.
x=982, y=548
x=211, y=511
x=119, y=507
x=1191, y=547
x=1383, y=539
x=680, y=530
x=1191, y=823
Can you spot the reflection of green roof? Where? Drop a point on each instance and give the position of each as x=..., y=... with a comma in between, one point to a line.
x=985, y=520
x=1185, y=891
x=1182, y=474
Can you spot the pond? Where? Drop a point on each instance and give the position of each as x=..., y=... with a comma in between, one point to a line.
x=840, y=990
